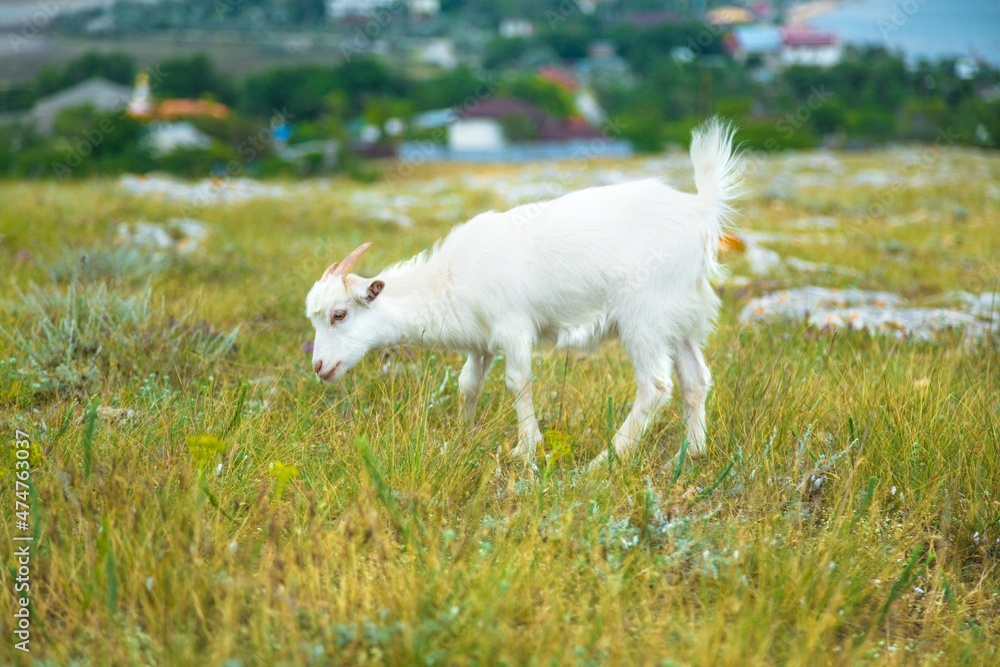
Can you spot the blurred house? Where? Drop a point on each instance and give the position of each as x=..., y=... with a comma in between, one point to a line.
x=319, y=152
x=476, y=134
x=515, y=27
x=143, y=106
x=438, y=51
x=185, y=108
x=509, y=130
x=755, y=41
x=434, y=118
x=499, y=121
x=729, y=15
x=650, y=18
x=425, y=7
x=481, y=127
x=336, y=9
x=101, y=94
x=806, y=46
x=165, y=138
x=763, y=11
x=603, y=66
x=169, y=121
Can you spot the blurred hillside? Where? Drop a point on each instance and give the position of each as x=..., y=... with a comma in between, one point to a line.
x=312, y=86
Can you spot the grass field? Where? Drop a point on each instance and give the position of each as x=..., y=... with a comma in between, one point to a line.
x=198, y=497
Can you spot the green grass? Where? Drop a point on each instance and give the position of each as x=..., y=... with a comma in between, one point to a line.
x=243, y=513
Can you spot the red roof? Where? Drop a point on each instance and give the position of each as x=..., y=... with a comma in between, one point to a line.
x=549, y=128
x=808, y=37
x=183, y=108
x=651, y=18
x=501, y=107
x=571, y=128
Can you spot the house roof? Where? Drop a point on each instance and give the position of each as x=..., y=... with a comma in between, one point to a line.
x=185, y=108
x=501, y=107
x=434, y=118
x=549, y=128
x=652, y=17
x=800, y=37
x=96, y=92
x=571, y=128
x=729, y=15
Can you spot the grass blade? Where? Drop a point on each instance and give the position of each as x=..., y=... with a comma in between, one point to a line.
x=866, y=501
x=89, y=429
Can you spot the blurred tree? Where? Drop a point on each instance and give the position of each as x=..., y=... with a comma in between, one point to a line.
x=502, y=53
x=569, y=41
x=363, y=78
x=380, y=109
x=829, y=117
x=990, y=121
x=301, y=92
x=871, y=124
x=117, y=67
x=95, y=134
x=309, y=12
x=17, y=99
x=192, y=76
x=518, y=127
x=447, y=89
x=550, y=97
x=86, y=141
x=298, y=91
x=646, y=48
x=644, y=128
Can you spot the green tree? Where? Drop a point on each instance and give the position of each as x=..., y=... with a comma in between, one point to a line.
x=447, y=89
x=117, y=67
x=518, y=127
x=192, y=76
x=550, y=97
x=298, y=90
x=309, y=12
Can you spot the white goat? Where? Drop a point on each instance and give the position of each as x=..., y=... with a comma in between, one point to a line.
x=631, y=261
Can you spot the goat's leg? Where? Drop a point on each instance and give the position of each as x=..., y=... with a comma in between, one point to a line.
x=518, y=363
x=695, y=380
x=471, y=381
x=653, y=388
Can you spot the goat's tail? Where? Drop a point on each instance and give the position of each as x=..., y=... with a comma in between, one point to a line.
x=717, y=177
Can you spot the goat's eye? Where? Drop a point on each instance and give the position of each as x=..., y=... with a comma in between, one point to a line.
x=339, y=315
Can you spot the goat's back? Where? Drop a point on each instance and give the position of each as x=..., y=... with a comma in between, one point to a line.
x=594, y=259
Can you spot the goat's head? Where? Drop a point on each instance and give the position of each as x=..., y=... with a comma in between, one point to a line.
x=340, y=308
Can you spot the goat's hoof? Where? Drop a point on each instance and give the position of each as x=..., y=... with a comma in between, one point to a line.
x=597, y=462
x=525, y=452
x=694, y=452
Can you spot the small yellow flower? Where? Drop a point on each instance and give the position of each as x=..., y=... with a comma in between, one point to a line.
x=558, y=445
x=283, y=473
x=204, y=448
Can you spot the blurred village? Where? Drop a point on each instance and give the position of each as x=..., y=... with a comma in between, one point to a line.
x=302, y=87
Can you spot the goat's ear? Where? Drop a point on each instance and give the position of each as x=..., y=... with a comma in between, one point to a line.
x=374, y=289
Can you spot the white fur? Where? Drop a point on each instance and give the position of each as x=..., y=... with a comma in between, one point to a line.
x=629, y=261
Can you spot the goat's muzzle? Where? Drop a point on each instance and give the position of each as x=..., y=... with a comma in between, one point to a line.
x=328, y=374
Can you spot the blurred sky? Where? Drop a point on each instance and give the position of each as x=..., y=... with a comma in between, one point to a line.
x=921, y=28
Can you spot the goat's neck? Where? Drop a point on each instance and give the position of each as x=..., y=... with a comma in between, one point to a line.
x=416, y=303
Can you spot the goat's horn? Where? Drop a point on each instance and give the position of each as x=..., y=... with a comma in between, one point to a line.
x=330, y=270
x=344, y=267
